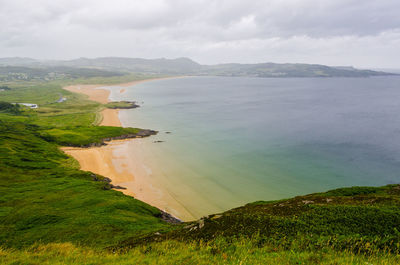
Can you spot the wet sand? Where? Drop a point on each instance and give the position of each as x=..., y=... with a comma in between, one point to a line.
x=110, y=118
x=129, y=171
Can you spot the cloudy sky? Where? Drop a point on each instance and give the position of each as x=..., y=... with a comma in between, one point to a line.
x=363, y=33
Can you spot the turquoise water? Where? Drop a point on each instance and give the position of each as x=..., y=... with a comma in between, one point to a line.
x=237, y=140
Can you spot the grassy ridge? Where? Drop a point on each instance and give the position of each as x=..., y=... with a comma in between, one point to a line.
x=358, y=220
x=83, y=136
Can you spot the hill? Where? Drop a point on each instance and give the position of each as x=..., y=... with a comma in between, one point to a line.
x=286, y=70
x=137, y=65
x=51, y=73
x=185, y=66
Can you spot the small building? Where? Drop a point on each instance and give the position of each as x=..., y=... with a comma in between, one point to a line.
x=30, y=105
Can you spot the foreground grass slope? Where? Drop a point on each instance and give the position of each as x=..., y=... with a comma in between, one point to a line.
x=358, y=219
x=346, y=226
x=242, y=251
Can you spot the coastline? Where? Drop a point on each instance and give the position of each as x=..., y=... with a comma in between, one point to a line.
x=96, y=93
x=99, y=93
x=113, y=161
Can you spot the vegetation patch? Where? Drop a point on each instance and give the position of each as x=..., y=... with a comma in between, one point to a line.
x=9, y=108
x=219, y=251
x=122, y=105
x=88, y=135
x=363, y=223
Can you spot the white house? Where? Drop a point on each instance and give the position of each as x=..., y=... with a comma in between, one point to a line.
x=30, y=105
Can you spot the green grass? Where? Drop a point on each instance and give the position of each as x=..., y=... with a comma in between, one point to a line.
x=83, y=136
x=77, y=110
x=6, y=107
x=220, y=251
x=120, y=105
x=45, y=198
x=361, y=223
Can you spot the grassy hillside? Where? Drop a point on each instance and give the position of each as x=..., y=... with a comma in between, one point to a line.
x=358, y=219
x=347, y=226
x=286, y=70
x=53, y=213
x=240, y=251
x=44, y=196
x=85, y=136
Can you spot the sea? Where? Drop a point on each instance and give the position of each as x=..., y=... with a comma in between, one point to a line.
x=227, y=141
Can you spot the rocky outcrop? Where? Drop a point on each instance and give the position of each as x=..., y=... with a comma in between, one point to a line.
x=140, y=134
x=169, y=218
x=96, y=177
x=88, y=145
x=117, y=187
x=107, y=182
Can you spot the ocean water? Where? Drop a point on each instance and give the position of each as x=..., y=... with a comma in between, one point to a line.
x=236, y=140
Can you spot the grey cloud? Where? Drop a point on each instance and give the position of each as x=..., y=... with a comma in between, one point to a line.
x=272, y=18
x=332, y=18
x=210, y=31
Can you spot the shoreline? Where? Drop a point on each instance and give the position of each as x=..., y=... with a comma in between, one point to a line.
x=112, y=160
x=99, y=93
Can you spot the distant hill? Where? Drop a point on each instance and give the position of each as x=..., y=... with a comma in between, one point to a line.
x=47, y=73
x=287, y=70
x=390, y=70
x=137, y=65
x=18, y=61
x=186, y=66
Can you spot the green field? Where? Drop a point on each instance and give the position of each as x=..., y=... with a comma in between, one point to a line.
x=53, y=213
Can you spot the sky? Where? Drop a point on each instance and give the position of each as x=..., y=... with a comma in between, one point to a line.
x=361, y=33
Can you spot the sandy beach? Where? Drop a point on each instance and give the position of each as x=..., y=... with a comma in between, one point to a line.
x=113, y=162
x=130, y=170
x=95, y=93
x=110, y=118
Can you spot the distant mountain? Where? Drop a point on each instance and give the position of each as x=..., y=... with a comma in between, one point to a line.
x=344, y=67
x=287, y=70
x=47, y=73
x=18, y=61
x=186, y=66
x=138, y=65
x=390, y=70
